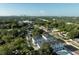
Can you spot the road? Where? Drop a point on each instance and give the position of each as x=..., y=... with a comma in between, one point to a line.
x=72, y=43
x=67, y=42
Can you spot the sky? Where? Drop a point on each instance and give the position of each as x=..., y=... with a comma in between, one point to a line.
x=39, y=9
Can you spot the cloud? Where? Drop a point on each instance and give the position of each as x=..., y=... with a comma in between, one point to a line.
x=42, y=12
x=14, y=12
x=23, y=12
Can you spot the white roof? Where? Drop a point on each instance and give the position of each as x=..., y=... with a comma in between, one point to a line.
x=63, y=52
x=69, y=23
x=27, y=21
x=38, y=41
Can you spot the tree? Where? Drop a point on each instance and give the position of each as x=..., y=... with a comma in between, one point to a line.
x=73, y=33
x=7, y=38
x=37, y=31
x=4, y=50
x=46, y=49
